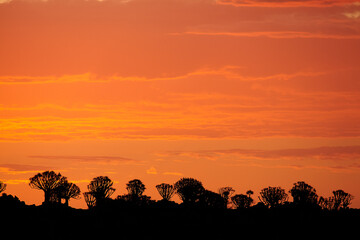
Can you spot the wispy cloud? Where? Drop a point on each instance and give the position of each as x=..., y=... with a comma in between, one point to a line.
x=352, y=15
x=285, y=3
x=334, y=158
x=86, y=77
x=231, y=72
x=338, y=153
x=13, y=169
x=89, y=159
x=274, y=34
x=16, y=181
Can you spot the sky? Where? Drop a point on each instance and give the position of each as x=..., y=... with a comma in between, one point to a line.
x=240, y=93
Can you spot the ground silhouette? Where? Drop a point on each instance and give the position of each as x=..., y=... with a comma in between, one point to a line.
x=203, y=214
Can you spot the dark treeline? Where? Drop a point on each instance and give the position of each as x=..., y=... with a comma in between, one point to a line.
x=202, y=214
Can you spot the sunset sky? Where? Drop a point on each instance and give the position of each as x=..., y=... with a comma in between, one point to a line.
x=241, y=93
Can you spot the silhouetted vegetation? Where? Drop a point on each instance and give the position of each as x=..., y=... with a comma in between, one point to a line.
x=273, y=196
x=2, y=186
x=202, y=213
x=304, y=195
x=100, y=189
x=189, y=190
x=242, y=201
x=166, y=191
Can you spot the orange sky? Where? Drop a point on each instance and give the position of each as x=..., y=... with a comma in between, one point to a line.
x=241, y=93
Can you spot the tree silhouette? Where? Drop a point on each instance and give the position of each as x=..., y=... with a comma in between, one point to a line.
x=273, y=196
x=342, y=199
x=226, y=193
x=304, y=194
x=189, y=190
x=100, y=188
x=66, y=191
x=166, y=191
x=135, y=188
x=249, y=193
x=47, y=182
x=326, y=203
x=242, y=201
x=89, y=199
x=2, y=186
x=211, y=199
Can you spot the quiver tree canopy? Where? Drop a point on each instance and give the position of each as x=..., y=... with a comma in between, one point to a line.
x=166, y=191
x=135, y=188
x=242, y=201
x=89, y=199
x=341, y=199
x=101, y=188
x=67, y=190
x=47, y=181
x=304, y=194
x=273, y=196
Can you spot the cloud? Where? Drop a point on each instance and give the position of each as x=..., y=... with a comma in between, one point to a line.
x=285, y=3
x=16, y=181
x=152, y=170
x=10, y=168
x=5, y=1
x=230, y=72
x=223, y=102
x=89, y=159
x=86, y=77
x=352, y=15
x=275, y=35
x=334, y=158
x=325, y=153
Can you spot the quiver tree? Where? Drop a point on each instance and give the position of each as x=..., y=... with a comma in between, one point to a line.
x=47, y=181
x=189, y=190
x=2, y=186
x=166, y=191
x=242, y=201
x=273, y=196
x=226, y=193
x=304, y=194
x=66, y=191
x=89, y=199
x=135, y=188
x=341, y=199
x=100, y=188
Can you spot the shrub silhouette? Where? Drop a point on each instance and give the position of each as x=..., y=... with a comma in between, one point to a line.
x=166, y=191
x=47, y=181
x=273, y=196
x=303, y=194
x=211, y=199
x=99, y=188
x=189, y=190
x=2, y=186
